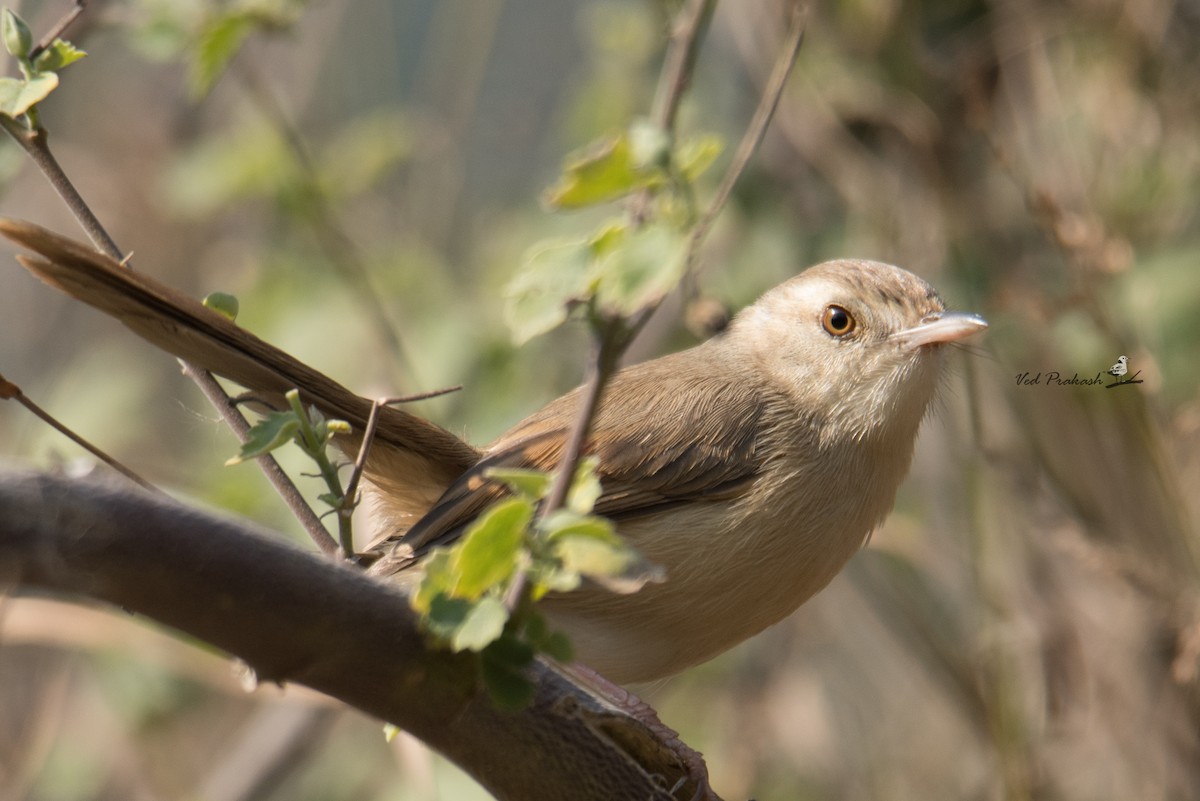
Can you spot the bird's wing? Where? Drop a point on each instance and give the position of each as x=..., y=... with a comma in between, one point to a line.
x=424, y=453
x=691, y=437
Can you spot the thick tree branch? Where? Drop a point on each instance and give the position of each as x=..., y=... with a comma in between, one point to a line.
x=295, y=617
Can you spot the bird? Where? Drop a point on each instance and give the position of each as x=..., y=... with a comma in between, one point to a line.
x=1120, y=368
x=750, y=467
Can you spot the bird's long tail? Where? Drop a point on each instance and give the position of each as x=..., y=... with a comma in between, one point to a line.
x=411, y=456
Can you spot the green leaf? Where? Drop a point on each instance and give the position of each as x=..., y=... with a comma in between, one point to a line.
x=446, y=615
x=488, y=553
x=607, y=170
x=530, y=483
x=438, y=579
x=17, y=96
x=222, y=303
x=697, y=154
x=503, y=666
x=613, y=565
x=553, y=276
x=568, y=523
x=585, y=489
x=330, y=499
x=220, y=40
x=17, y=38
x=274, y=430
x=482, y=626
x=58, y=55
x=639, y=269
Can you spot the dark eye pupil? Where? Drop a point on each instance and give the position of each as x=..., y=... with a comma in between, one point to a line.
x=838, y=320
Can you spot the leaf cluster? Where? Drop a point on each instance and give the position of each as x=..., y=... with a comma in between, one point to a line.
x=627, y=264
x=479, y=594
x=39, y=70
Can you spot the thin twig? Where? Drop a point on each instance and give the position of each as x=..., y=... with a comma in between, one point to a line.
x=755, y=131
x=58, y=29
x=680, y=61
x=350, y=500
x=10, y=391
x=35, y=142
x=605, y=354
x=279, y=480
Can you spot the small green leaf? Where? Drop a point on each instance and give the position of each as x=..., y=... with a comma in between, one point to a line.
x=611, y=168
x=639, y=270
x=390, y=730
x=585, y=489
x=482, y=626
x=438, y=579
x=58, y=55
x=17, y=38
x=697, y=154
x=220, y=40
x=503, y=666
x=488, y=553
x=568, y=523
x=614, y=566
x=530, y=483
x=446, y=615
x=222, y=303
x=274, y=430
x=603, y=172
x=330, y=499
x=17, y=96
x=552, y=277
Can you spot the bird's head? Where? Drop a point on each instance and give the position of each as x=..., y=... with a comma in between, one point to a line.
x=856, y=344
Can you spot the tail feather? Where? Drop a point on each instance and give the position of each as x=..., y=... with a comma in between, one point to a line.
x=416, y=457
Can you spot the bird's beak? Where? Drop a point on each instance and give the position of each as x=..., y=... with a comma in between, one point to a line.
x=939, y=328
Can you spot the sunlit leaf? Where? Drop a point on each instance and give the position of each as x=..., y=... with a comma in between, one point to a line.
x=551, y=278
x=438, y=578
x=274, y=430
x=58, y=55
x=697, y=154
x=530, y=483
x=610, y=169
x=17, y=96
x=223, y=303
x=219, y=41
x=639, y=269
x=613, y=565
x=17, y=38
x=585, y=489
x=488, y=553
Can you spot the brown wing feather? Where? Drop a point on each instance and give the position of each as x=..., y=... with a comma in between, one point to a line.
x=645, y=468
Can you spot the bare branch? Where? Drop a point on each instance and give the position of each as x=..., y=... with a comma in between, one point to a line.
x=297, y=618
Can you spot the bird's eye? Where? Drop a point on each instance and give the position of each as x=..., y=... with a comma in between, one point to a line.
x=837, y=321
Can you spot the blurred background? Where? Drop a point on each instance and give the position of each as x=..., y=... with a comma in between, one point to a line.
x=366, y=176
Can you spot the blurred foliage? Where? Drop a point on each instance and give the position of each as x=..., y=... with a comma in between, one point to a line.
x=1027, y=622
